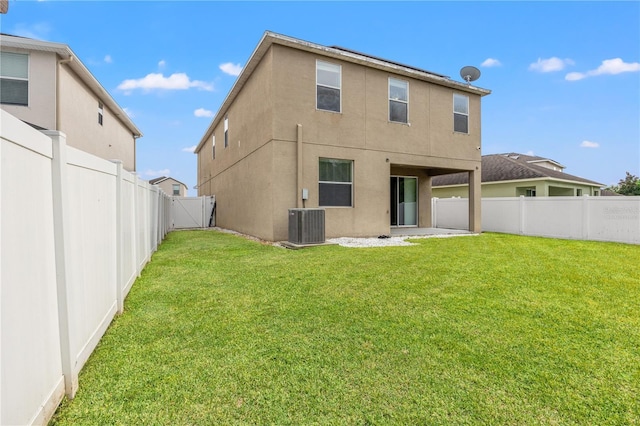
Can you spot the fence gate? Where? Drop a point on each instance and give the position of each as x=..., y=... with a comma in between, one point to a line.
x=192, y=212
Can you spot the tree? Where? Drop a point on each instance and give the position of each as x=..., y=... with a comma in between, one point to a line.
x=630, y=185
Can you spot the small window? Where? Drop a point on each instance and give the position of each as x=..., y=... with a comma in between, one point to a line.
x=14, y=78
x=398, y=100
x=335, y=183
x=460, y=113
x=328, y=85
x=213, y=147
x=176, y=189
x=226, y=131
x=100, y=113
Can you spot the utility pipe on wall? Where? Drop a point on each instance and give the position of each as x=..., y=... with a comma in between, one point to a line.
x=57, y=111
x=299, y=200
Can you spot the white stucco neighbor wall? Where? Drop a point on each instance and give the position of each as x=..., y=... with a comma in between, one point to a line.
x=42, y=90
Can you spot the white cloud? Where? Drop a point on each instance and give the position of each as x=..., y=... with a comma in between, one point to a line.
x=589, y=144
x=231, y=69
x=157, y=173
x=190, y=148
x=201, y=112
x=490, y=62
x=37, y=31
x=550, y=64
x=575, y=76
x=108, y=59
x=608, y=67
x=177, y=81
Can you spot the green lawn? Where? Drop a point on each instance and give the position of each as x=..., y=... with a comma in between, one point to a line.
x=487, y=330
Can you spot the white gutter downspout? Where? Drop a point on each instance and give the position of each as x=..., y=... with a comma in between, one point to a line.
x=57, y=111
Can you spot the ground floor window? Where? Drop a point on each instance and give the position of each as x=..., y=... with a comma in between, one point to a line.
x=335, y=187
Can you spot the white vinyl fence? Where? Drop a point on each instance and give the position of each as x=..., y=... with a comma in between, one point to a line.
x=615, y=219
x=75, y=233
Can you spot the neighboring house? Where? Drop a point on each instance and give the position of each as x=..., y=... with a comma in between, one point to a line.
x=307, y=125
x=170, y=186
x=45, y=84
x=513, y=175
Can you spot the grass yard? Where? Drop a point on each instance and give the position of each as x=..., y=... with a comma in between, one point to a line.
x=487, y=330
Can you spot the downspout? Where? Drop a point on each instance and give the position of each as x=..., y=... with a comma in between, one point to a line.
x=299, y=200
x=57, y=111
x=135, y=151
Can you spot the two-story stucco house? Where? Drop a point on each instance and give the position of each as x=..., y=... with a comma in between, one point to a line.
x=307, y=125
x=46, y=85
x=170, y=186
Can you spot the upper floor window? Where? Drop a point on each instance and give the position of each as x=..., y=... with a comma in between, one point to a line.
x=100, y=112
x=460, y=113
x=213, y=147
x=335, y=182
x=328, y=85
x=398, y=100
x=226, y=131
x=14, y=78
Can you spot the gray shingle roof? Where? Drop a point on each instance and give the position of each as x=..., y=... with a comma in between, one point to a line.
x=511, y=166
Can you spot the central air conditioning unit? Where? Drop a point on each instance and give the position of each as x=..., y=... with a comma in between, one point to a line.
x=306, y=226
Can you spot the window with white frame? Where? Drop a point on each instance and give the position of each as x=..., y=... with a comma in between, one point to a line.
x=328, y=86
x=335, y=187
x=460, y=113
x=14, y=78
x=213, y=147
x=100, y=113
x=398, y=100
x=226, y=131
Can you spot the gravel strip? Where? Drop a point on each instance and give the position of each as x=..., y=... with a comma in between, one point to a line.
x=386, y=242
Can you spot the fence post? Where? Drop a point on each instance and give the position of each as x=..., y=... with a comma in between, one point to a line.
x=434, y=212
x=585, y=217
x=119, y=238
x=521, y=213
x=60, y=229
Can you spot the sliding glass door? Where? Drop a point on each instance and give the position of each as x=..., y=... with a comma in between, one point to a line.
x=404, y=201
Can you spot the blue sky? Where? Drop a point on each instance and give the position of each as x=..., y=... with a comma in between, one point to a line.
x=565, y=76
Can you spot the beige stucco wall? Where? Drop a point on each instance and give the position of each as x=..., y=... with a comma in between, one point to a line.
x=42, y=90
x=255, y=178
x=78, y=119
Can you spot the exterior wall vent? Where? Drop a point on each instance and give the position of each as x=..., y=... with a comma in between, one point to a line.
x=306, y=226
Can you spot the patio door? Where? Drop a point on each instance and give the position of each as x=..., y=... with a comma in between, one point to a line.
x=404, y=201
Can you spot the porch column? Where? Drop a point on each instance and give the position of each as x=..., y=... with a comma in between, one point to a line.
x=475, y=201
x=424, y=198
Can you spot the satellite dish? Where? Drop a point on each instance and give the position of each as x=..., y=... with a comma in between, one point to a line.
x=469, y=73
